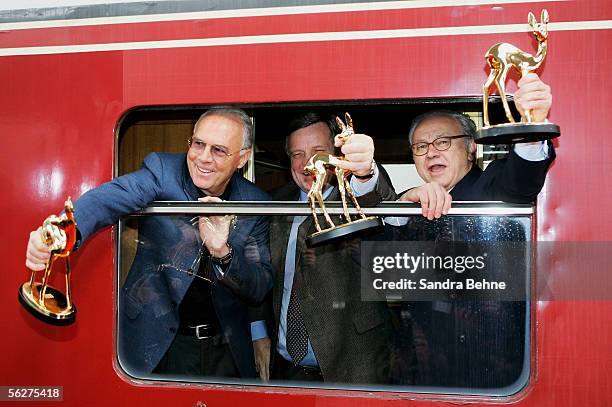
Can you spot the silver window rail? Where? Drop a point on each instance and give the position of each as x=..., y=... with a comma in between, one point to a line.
x=489, y=208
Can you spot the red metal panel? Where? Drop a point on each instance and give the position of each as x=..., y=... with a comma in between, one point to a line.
x=489, y=14
x=58, y=116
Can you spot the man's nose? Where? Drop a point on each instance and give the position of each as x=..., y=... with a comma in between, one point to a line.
x=302, y=163
x=206, y=154
x=432, y=151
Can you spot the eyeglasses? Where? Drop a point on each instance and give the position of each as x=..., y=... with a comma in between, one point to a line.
x=217, y=151
x=440, y=144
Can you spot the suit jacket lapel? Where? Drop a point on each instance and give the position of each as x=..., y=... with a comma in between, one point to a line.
x=236, y=193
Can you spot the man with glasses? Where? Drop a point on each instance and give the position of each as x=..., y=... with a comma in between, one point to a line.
x=184, y=308
x=468, y=342
x=443, y=150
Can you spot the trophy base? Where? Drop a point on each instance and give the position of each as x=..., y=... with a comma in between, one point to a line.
x=512, y=133
x=54, y=311
x=337, y=232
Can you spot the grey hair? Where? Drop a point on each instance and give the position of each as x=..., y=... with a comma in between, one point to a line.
x=468, y=127
x=236, y=114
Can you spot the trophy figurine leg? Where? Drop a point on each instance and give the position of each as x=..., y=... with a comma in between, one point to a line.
x=341, y=177
x=485, y=96
x=316, y=193
x=500, y=82
x=32, y=278
x=355, y=202
x=313, y=209
x=68, y=294
x=319, y=198
x=45, y=281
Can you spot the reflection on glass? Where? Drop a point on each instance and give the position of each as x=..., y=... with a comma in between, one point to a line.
x=458, y=343
x=462, y=341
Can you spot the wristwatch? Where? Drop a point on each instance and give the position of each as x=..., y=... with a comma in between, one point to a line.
x=223, y=260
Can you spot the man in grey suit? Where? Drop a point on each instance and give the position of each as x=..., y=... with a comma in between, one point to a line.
x=344, y=339
x=184, y=308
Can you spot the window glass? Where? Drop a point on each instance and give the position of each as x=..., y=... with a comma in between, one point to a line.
x=439, y=340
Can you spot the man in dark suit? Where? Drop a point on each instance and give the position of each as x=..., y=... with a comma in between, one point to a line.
x=171, y=320
x=343, y=339
x=458, y=342
x=443, y=150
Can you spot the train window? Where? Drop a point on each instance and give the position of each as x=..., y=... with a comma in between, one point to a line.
x=438, y=340
x=166, y=129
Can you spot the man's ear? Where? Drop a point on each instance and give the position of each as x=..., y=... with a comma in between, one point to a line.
x=244, y=157
x=471, y=150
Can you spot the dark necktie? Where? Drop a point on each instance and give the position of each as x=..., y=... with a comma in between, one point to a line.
x=297, y=337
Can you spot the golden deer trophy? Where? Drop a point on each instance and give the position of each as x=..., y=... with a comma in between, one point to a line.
x=501, y=58
x=42, y=300
x=318, y=166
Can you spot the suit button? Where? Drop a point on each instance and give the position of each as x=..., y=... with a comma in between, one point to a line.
x=173, y=330
x=173, y=303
